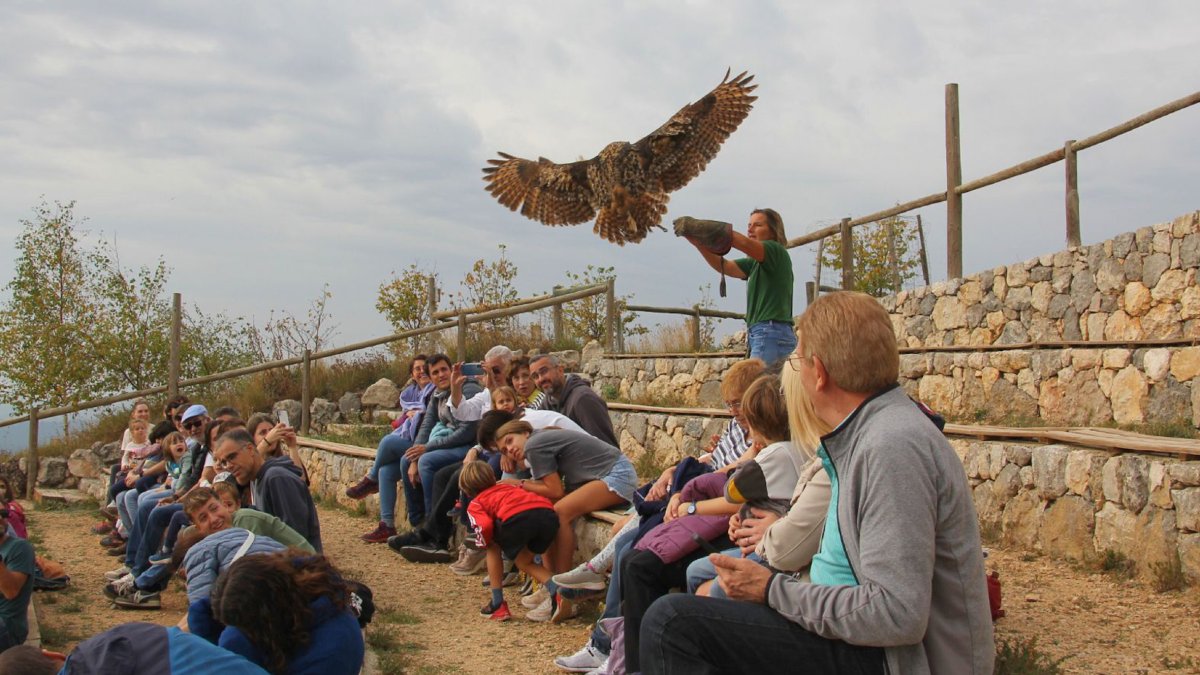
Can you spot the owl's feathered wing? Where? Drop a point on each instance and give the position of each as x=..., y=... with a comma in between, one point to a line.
x=625, y=187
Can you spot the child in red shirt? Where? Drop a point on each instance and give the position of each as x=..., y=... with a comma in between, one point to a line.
x=511, y=520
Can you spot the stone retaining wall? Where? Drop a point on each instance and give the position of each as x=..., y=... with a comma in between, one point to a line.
x=655, y=441
x=688, y=381
x=1136, y=286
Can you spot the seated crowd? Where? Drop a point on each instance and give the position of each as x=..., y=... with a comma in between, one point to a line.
x=828, y=528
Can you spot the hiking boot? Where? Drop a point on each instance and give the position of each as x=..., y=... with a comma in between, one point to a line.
x=363, y=488
x=500, y=613
x=140, y=600
x=582, y=661
x=536, y=598
x=117, y=573
x=117, y=550
x=426, y=553
x=469, y=562
x=119, y=588
x=413, y=537
x=380, y=534
x=582, y=577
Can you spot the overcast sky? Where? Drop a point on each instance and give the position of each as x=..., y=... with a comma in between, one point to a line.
x=268, y=148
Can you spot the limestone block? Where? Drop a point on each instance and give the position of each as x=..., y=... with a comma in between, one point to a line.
x=1020, y=298
x=1185, y=364
x=1125, y=482
x=1156, y=363
x=1081, y=469
x=1021, y=455
x=702, y=370
x=1136, y=298
x=635, y=424
x=713, y=427
x=1187, y=506
x=1160, y=485
x=996, y=459
x=1007, y=483
x=1169, y=402
x=84, y=463
x=1129, y=394
x=693, y=427
x=656, y=421
x=1068, y=527
x=685, y=365
x=1046, y=364
x=1093, y=323
x=1085, y=359
x=1049, y=471
x=96, y=488
x=948, y=313
x=1161, y=322
x=1153, y=267
x=1116, y=358
x=591, y=354
x=1027, y=477
x=1170, y=286
x=322, y=413
x=383, y=394
x=1156, y=538
x=1114, y=530
x=673, y=422
x=350, y=405
x=1121, y=326
x=1010, y=361
x=1189, y=302
x=1041, y=295
x=978, y=463
x=989, y=506
x=1189, y=556
x=1161, y=242
x=1184, y=474
x=1110, y=276
x=1018, y=275
x=52, y=471
x=938, y=392
x=1022, y=519
x=662, y=367
x=710, y=394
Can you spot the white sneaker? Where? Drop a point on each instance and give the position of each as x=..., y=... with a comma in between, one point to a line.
x=469, y=563
x=542, y=612
x=582, y=661
x=583, y=578
x=117, y=573
x=601, y=669
x=536, y=598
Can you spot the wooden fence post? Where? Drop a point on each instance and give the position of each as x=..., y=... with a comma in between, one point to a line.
x=1070, y=160
x=306, y=392
x=893, y=263
x=462, y=338
x=696, y=328
x=610, y=315
x=924, y=255
x=810, y=291
x=431, y=301
x=953, y=180
x=31, y=458
x=176, y=330
x=847, y=256
x=556, y=317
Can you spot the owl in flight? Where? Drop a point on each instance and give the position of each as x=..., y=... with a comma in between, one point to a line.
x=625, y=187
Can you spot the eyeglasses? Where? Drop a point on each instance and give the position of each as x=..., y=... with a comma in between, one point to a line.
x=733, y=406
x=794, y=360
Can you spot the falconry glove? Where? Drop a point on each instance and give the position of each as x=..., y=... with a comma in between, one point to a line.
x=713, y=236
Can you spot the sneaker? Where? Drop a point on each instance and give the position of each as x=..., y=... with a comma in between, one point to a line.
x=602, y=669
x=380, y=534
x=117, y=550
x=582, y=661
x=470, y=562
x=500, y=613
x=110, y=512
x=580, y=594
x=140, y=600
x=426, y=553
x=536, y=598
x=544, y=611
x=113, y=539
x=564, y=610
x=582, y=577
x=117, y=573
x=119, y=588
x=102, y=527
x=413, y=537
x=160, y=559
x=527, y=587
x=363, y=488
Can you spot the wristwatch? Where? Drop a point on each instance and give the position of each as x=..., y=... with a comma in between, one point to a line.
x=691, y=509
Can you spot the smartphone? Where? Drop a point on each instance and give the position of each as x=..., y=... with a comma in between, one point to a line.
x=472, y=369
x=283, y=418
x=704, y=544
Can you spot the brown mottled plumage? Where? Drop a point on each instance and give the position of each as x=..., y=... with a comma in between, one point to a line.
x=625, y=187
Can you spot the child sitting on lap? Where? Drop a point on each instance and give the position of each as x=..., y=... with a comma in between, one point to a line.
x=511, y=521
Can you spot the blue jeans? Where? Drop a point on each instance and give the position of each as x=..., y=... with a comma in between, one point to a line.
x=771, y=341
x=612, y=600
x=139, y=508
x=389, y=468
x=152, y=535
x=701, y=570
x=429, y=464
x=685, y=634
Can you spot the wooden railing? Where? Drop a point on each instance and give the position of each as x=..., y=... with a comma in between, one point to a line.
x=695, y=314
x=955, y=188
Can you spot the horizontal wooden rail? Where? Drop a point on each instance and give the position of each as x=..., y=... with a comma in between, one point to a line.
x=1061, y=344
x=687, y=311
x=678, y=355
x=340, y=448
x=452, y=313
x=659, y=410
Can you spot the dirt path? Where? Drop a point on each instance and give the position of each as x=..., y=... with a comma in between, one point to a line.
x=429, y=620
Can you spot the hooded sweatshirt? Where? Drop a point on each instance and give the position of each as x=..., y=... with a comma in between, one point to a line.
x=280, y=491
x=581, y=403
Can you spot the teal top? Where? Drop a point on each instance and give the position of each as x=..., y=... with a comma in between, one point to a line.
x=831, y=565
x=17, y=555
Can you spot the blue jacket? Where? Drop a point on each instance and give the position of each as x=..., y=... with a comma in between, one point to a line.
x=335, y=644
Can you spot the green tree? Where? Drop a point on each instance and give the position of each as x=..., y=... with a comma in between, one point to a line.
x=874, y=272
x=46, y=323
x=404, y=300
x=288, y=335
x=586, y=319
x=132, y=321
x=490, y=284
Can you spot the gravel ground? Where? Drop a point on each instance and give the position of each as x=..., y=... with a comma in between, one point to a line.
x=429, y=620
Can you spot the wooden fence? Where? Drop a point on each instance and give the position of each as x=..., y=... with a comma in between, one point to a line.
x=955, y=188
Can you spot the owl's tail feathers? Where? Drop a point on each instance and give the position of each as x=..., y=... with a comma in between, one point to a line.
x=629, y=216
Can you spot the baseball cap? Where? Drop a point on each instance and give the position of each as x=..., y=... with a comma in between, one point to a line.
x=193, y=411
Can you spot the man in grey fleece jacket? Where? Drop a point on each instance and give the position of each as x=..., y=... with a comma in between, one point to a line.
x=898, y=584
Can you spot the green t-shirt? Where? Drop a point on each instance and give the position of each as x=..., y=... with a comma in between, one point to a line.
x=769, y=285
x=17, y=555
x=268, y=525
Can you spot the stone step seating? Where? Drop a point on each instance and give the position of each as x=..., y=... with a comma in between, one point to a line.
x=43, y=495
